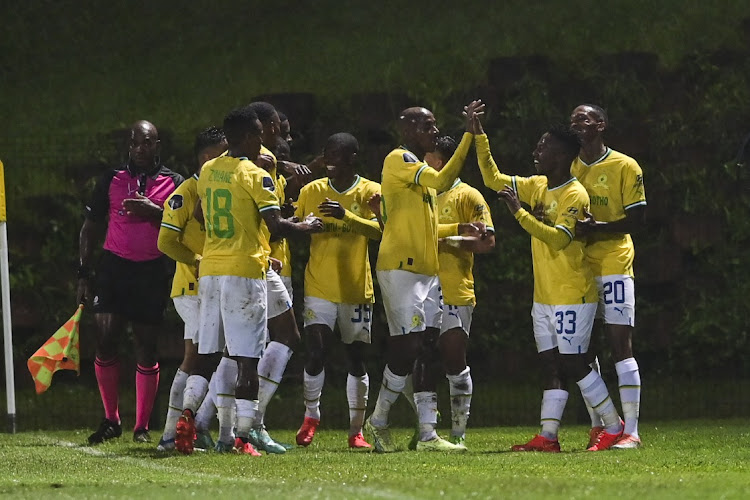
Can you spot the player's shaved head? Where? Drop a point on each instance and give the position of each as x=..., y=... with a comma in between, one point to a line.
x=417, y=129
x=344, y=142
x=410, y=118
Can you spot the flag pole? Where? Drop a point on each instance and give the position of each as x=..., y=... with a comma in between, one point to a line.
x=10, y=386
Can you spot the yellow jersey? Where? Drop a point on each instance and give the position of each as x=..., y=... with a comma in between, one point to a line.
x=409, y=212
x=280, y=248
x=561, y=277
x=460, y=204
x=614, y=183
x=339, y=265
x=178, y=217
x=233, y=193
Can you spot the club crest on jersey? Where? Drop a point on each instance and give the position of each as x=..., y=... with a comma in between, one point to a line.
x=410, y=158
x=175, y=202
x=356, y=208
x=446, y=213
x=268, y=184
x=552, y=208
x=601, y=181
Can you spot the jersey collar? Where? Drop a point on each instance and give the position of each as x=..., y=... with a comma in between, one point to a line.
x=562, y=185
x=356, y=181
x=604, y=157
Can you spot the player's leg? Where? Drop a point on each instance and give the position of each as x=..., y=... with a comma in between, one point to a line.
x=554, y=396
x=619, y=299
x=574, y=325
x=210, y=337
x=427, y=369
x=355, y=326
x=282, y=329
x=403, y=294
x=224, y=381
x=452, y=344
x=244, y=307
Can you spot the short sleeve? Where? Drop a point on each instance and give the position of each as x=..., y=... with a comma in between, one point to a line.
x=570, y=208
x=633, y=192
x=179, y=207
x=475, y=208
x=525, y=187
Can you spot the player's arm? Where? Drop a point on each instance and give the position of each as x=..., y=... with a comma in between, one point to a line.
x=473, y=244
x=359, y=225
x=634, y=200
x=281, y=228
x=491, y=175
x=170, y=244
x=557, y=237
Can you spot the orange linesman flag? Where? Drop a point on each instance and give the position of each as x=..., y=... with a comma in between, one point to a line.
x=60, y=352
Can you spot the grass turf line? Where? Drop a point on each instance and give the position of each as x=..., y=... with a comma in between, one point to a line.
x=686, y=459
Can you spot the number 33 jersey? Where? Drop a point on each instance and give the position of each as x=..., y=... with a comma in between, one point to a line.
x=234, y=192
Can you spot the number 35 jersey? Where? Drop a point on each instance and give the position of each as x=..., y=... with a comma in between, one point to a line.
x=234, y=192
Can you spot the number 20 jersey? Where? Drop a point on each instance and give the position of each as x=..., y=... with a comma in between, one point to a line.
x=234, y=192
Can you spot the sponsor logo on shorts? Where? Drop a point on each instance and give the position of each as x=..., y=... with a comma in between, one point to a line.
x=309, y=314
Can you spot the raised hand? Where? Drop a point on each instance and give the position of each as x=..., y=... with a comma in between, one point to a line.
x=471, y=113
x=374, y=204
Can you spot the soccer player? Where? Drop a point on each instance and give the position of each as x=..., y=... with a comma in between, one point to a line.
x=564, y=290
x=132, y=279
x=407, y=268
x=338, y=282
x=235, y=198
x=459, y=204
x=614, y=182
x=181, y=239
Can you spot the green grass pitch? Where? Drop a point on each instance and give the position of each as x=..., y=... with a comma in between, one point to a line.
x=679, y=459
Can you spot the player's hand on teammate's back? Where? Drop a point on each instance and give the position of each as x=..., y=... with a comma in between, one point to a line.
x=587, y=224
x=141, y=206
x=331, y=208
x=510, y=198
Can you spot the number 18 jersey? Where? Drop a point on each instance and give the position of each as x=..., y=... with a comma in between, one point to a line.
x=234, y=192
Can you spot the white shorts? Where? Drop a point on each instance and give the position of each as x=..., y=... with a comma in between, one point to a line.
x=278, y=296
x=412, y=301
x=456, y=317
x=289, y=288
x=354, y=320
x=233, y=313
x=566, y=327
x=616, y=299
x=189, y=309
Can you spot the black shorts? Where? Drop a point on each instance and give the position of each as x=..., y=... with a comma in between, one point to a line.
x=139, y=291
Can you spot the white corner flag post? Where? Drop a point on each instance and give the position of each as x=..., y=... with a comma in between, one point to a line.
x=10, y=387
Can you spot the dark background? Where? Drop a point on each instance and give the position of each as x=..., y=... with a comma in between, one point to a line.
x=672, y=75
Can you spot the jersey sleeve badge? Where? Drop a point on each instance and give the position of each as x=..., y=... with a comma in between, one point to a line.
x=176, y=201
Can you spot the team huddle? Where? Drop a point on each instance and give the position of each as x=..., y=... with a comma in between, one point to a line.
x=228, y=229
